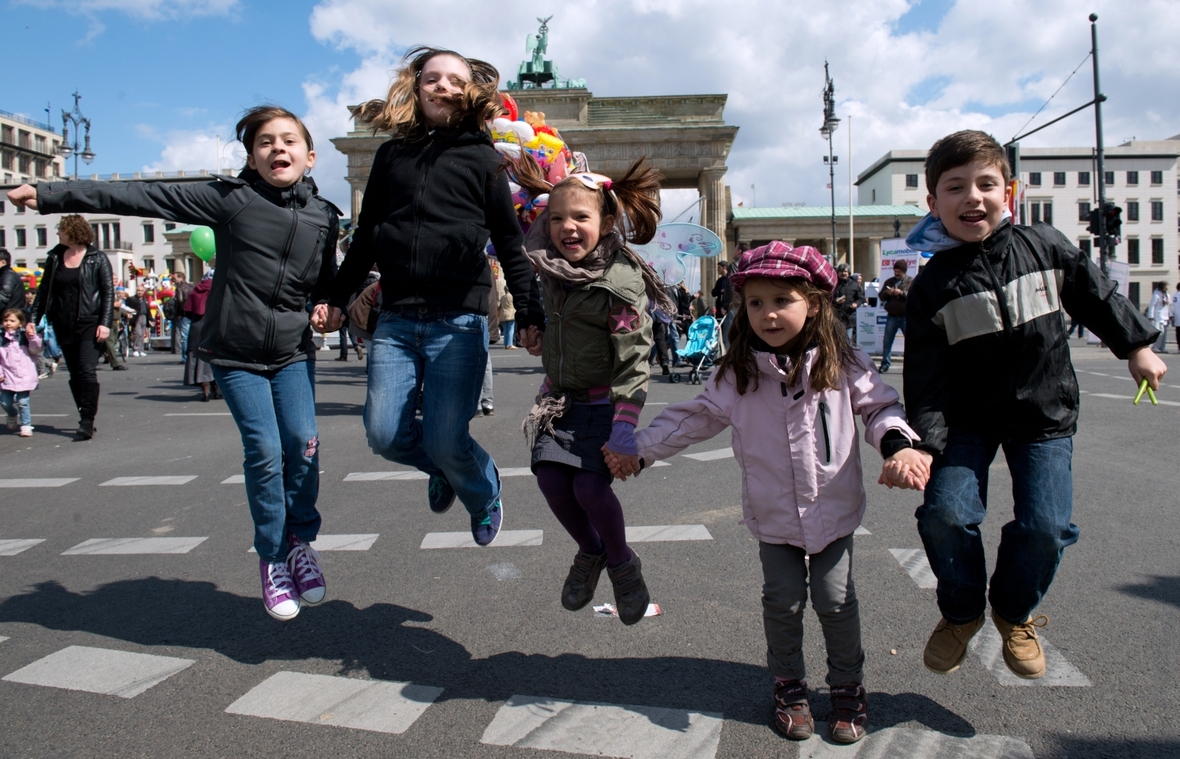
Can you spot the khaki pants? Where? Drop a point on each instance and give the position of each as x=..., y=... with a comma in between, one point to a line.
x=833, y=596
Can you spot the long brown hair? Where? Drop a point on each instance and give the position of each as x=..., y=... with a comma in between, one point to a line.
x=823, y=331
x=401, y=114
x=634, y=200
x=255, y=118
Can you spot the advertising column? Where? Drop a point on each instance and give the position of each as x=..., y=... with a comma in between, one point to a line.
x=870, y=325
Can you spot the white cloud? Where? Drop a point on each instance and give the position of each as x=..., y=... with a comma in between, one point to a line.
x=192, y=150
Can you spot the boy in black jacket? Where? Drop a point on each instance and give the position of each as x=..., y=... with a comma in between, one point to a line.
x=987, y=365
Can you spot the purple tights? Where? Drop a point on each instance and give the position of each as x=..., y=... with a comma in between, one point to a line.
x=587, y=508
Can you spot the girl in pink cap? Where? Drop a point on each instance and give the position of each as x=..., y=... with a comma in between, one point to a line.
x=791, y=387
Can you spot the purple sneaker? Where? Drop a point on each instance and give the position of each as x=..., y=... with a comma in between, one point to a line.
x=278, y=590
x=304, y=564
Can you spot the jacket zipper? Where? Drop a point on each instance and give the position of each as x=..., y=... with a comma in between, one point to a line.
x=268, y=348
x=823, y=420
x=1001, y=300
x=418, y=203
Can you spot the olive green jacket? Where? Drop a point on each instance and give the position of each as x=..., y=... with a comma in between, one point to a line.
x=599, y=343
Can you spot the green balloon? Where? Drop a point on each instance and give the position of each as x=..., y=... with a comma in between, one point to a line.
x=203, y=243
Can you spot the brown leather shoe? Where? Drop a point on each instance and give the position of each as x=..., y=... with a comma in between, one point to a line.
x=1021, y=646
x=947, y=646
x=792, y=710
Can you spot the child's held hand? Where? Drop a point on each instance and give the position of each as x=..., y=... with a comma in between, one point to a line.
x=909, y=469
x=31, y=329
x=531, y=339
x=1143, y=364
x=621, y=466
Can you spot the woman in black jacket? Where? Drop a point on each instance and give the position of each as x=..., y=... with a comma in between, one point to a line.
x=276, y=251
x=76, y=293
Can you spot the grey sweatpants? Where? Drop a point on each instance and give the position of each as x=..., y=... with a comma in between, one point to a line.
x=785, y=572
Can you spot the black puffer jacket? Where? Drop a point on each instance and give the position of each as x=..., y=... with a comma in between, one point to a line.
x=276, y=251
x=986, y=347
x=12, y=289
x=429, y=210
x=96, y=291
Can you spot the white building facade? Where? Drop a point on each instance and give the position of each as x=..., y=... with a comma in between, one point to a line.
x=28, y=150
x=1060, y=187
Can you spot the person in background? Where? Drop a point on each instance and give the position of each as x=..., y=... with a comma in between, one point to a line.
x=507, y=311
x=138, y=303
x=180, y=323
x=19, y=348
x=848, y=297
x=111, y=344
x=1158, y=310
x=12, y=285
x=893, y=293
x=1176, y=314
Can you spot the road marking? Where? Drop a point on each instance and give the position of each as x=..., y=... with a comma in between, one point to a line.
x=43, y=482
x=40, y=415
x=380, y=706
x=99, y=670
x=123, y=482
x=861, y=531
x=234, y=479
x=661, y=533
x=659, y=463
x=507, y=538
x=720, y=453
x=3, y=638
x=918, y=744
x=203, y=413
x=914, y=562
x=360, y=542
x=637, y=732
x=517, y=471
x=1058, y=671
x=505, y=572
x=375, y=476
x=1129, y=398
x=13, y=547
x=109, y=546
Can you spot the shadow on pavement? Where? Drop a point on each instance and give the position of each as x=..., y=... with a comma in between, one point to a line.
x=1142, y=748
x=386, y=642
x=323, y=408
x=1163, y=589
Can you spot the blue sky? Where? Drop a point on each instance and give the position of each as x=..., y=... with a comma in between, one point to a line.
x=160, y=78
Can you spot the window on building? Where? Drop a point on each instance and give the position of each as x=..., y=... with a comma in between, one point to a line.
x=1083, y=179
x=1133, y=251
x=911, y=180
x=20, y=237
x=1157, y=251
x=149, y=263
x=1132, y=210
x=1059, y=178
x=1085, y=246
x=874, y=197
x=23, y=163
x=94, y=228
x=6, y=135
x=20, y=209
x=42, y=237
x=1035, y=212
x=3, y=238
x=1132, y=177
x=1034, y=179
x=39, y=144
x=1157, y=177
x=115, y=228
x=1083, y=211
x=1157, y=210
x=6, y=161
x=1133, y=293
x=169, y=226
x=1047, y=211
x=149, y=233
x=2, y=207
x=1109, y=178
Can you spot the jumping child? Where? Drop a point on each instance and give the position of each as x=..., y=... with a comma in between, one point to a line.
x=791, y=388
x=20, y=345
x=595, y=351
x=276, y=245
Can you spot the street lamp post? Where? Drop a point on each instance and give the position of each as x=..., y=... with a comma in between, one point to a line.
x=827, y=130
x=79, y=121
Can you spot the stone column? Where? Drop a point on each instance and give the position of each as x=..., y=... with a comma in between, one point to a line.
x=358, y=197
x=711, y=185
x=874, y=257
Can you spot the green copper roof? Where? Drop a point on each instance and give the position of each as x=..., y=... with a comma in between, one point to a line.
x=821, y=212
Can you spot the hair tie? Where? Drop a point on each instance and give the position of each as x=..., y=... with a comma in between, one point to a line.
x=607, y=185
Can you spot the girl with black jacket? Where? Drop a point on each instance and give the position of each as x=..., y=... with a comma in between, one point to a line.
x=76, y=293
x=436, y=194
x=276, y=243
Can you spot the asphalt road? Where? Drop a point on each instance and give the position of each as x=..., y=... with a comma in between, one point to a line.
x=466, y=652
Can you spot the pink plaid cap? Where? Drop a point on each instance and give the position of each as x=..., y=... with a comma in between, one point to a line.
x=777, y=260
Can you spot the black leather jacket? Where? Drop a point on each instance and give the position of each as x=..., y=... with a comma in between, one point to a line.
x=95, y=295
x=12, y=289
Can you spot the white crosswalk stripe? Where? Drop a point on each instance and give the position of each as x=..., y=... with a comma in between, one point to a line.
x=636, y=732
x=122, y=546
x=915, y=563
x=380, y=706
x=918, y=744
x=234, y=479
x=506, y=538
x=13, y=547
x=1058, y=671
x=123, y=482
x=379, y=476
x=99, y=670
x=721, y=453
x=37, y=482
x=671, y=532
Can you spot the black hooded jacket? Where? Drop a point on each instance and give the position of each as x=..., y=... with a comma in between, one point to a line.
x=986, y=347
x=429, y=210
x=12, y=289
x=276, y=252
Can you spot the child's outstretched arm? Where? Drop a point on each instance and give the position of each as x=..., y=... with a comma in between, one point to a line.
x=683, y=424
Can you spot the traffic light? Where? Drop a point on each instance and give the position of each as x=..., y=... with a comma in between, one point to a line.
x=1092, y=227
x=1114, y=221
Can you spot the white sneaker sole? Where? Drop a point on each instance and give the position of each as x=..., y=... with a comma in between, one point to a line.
x=278, y=614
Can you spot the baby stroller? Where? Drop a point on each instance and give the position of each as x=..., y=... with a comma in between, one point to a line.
x=702, y=349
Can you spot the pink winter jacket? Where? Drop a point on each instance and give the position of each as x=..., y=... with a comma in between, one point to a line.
x=799, y=450
x=17, y=366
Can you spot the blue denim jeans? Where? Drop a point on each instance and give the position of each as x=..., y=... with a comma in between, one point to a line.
x=892, y=325
x=183, y=324
x=443, y=355
x=508, y=331
x=1031, y=544
x=16, y=403
x=275, y=413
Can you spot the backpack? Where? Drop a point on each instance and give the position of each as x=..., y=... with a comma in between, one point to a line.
x=170, y=309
